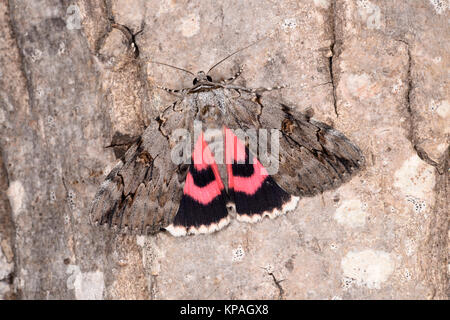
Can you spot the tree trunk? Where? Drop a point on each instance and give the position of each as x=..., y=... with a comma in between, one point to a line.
x=75, y=79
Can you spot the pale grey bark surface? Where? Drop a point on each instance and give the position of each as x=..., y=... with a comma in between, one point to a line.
x=74, y=79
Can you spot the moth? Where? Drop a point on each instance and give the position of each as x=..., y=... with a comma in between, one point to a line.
x=148, y=192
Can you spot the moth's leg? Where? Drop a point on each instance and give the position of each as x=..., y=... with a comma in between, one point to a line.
x=237, y=74
x=161, y=118
x=255, y=90
x=260, y=90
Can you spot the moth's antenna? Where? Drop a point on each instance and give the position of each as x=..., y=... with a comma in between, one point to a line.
x=168, y=65
x=251, y=44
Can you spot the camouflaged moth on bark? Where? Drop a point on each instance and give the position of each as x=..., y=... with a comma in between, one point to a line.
x=147, y=191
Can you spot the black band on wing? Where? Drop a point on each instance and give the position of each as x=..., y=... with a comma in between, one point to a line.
x=267, y=198
x=203, y=205
x=194, y=214
x=202, y=178
x=242, y=170
x=258, y=195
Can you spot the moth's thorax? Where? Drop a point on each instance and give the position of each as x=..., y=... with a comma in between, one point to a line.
x=203, y=86
x=209, y=100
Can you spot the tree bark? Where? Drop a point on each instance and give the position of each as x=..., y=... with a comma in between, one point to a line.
x=75, y=79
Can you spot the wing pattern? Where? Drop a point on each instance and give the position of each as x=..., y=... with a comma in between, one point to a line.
x=147, y=192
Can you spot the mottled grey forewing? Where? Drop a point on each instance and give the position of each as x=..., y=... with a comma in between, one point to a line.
x=313, y=157
x=142, y=193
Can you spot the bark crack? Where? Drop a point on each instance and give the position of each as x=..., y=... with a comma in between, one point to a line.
x=278, y=285
x=127, y=32
x=408, y=94
x=435, y=249
x=132, y=53
x=330, y=59
x=26, y=76
x=7, y=221
x=436, y=245
x=421, y=153
x=131, y=37
x=99, y=42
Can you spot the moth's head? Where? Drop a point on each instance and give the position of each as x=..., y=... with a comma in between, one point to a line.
x=202, y=77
